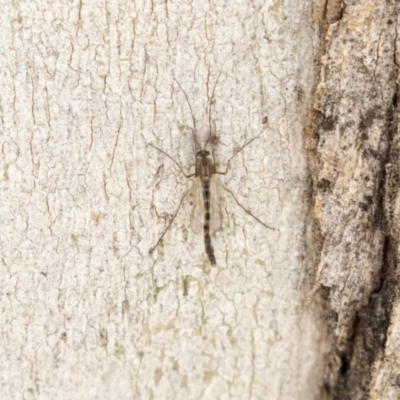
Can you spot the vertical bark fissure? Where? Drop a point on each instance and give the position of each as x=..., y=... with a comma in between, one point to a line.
x=353, y=147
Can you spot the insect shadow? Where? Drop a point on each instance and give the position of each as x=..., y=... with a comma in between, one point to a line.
x=206, y=212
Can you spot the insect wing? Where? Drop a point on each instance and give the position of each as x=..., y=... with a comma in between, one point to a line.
x=197, y=214
x=216, y=214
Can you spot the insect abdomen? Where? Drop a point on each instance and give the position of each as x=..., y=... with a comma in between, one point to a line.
x=207, y=218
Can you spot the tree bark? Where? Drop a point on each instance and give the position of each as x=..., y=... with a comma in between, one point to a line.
x=308, y=310
x=356, y=185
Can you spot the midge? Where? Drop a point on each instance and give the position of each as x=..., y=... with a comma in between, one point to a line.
x=206, y=212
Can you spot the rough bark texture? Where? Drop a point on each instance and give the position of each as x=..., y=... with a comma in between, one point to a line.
x=356, y=181
x=87, y=312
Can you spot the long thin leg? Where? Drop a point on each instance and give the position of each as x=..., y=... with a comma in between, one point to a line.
x=234, y=155
x=245, y=209
x=177, y=164
x=172, y=219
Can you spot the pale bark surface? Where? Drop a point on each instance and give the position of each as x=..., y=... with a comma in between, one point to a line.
x=86, y=312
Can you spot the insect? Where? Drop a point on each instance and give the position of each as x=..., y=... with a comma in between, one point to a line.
x=206, y=213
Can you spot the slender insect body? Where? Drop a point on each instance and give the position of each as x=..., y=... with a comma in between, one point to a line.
x=206, y=212
x=207, y=218
x=205, y=169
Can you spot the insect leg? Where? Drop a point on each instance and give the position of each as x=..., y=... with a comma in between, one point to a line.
x=243, y=208
x=177, y=164
x=234, y=155
x=172, y=219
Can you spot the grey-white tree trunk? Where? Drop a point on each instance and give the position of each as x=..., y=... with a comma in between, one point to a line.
x=309, y=310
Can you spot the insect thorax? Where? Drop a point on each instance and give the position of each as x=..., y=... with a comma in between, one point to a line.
x=205, y=167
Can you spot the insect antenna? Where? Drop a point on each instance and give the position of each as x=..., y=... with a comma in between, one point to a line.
x=209, y=106
x=194, y=132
